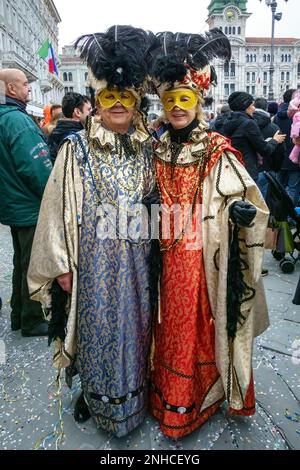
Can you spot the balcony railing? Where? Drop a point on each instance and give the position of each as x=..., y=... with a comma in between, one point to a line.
x=56, y=81
x=13, y=60
x=45, y=85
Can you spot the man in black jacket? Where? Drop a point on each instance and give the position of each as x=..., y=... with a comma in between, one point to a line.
x=218, y=125
x=75, y=108
x=289, y=175
x=268, y=129
x=245, y=134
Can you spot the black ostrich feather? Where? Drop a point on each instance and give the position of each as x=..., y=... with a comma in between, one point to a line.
x=167, y=55
x=205, y=47
x=167, y=69
x=117, y=56
x=169, y=52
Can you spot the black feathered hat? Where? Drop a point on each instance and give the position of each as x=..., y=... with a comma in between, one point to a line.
x=117, y=58
x=183, y=60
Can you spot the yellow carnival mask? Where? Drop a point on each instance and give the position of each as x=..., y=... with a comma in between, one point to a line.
x=108, y=98
x=183, y=98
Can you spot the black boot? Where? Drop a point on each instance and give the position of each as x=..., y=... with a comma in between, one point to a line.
x=81, y=411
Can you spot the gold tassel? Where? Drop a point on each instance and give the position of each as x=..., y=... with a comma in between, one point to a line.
x=152, y=351
x=158, y=303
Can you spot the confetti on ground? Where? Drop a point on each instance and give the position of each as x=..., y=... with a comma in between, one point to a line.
x=295, y=417
x=35, y=413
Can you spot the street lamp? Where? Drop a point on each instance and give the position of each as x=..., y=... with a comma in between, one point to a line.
x=275, y=16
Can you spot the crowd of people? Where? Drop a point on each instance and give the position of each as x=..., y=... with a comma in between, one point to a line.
x=138, y=248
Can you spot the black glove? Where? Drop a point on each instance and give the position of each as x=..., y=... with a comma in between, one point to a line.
x=242, y=213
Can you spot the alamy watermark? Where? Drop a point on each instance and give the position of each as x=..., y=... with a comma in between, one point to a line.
x=135, y=223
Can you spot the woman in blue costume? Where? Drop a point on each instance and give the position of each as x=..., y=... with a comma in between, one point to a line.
x=99, y=250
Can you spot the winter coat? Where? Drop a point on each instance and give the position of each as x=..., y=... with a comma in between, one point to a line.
x=295, y=133
x=285, y=123
x=24, y=166
x=246, y=137
x=64, y=128
x=218, y=125
x=268, y=129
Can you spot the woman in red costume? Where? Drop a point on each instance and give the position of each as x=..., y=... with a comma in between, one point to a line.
x=212, y=232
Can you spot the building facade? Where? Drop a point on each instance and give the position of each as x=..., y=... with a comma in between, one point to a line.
x=73, y=71
x=249, y=68
x=24, y=26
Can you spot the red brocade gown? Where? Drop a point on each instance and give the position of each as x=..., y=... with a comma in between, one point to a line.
x=184, y=368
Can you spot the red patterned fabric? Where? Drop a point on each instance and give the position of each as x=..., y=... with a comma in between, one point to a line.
x=184, y=368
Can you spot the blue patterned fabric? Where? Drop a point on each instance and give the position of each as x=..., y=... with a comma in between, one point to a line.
x=114, y=315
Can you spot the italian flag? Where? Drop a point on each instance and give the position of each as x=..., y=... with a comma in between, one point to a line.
x=46, y=52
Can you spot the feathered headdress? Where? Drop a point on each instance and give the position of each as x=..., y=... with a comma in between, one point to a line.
x=183, y=60
x=116, y=58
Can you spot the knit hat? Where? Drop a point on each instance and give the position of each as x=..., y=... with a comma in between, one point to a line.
x=273, y=108
x=240, y=101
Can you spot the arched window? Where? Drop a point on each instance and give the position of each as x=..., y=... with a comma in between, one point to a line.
x=247, y=58
x=86, y=76
x=226, y=30
x=285, y=58
x=251, y=58
x=229, y=29
x=298, y=69
x=269, y=58
x=70, y=75
x=239, y=30
x=282, y=58
x=65, y=76
x=265, y=58
x=233, y=30
x=288, y=76
x=254, y=58
x=282, y=76
x=290, y=58
x=265, y=76
x=248, y=76
x=232, y=69
x=253, y=77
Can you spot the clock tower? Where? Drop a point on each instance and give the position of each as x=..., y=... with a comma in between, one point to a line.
x=217, y=6
x=231, y=17
x=249, y=67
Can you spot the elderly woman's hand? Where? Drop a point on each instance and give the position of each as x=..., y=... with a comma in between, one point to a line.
x=66, y=281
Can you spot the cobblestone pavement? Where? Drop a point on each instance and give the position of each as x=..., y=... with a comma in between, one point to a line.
x=33, y=416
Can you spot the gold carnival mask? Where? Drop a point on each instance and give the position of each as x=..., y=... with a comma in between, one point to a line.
x=183, y=98
x=108, y=98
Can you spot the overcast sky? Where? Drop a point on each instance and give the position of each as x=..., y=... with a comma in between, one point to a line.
x=89, y=16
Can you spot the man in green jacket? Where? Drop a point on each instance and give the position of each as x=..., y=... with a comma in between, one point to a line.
x=24, y=170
